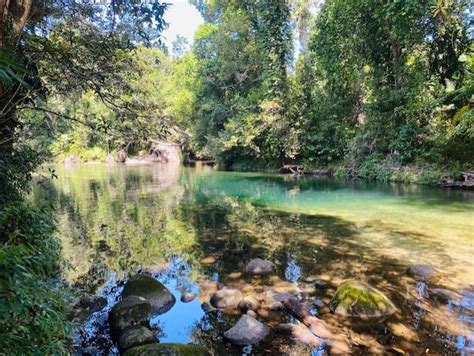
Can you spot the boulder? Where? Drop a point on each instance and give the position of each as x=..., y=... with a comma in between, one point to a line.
x=167, y=350
x=357, y=299
x=131, y=311
x=249, y=303
x=247, y=331
x=423, y=271
x=258, y=266
x=135, y=336
x=188, y=297
x=153, y=291
x=226, y=298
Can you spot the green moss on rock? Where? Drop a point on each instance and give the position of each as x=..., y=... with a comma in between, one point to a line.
x=167, y=350
x=152, y=290
x=358, y=299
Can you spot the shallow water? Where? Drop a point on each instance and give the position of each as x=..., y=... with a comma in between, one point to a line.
x=195, y=229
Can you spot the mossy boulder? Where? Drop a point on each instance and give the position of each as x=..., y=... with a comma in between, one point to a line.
x=154, y=292
x=358, y=299
x=131, y=311
x=167, y=350
x=136, y=335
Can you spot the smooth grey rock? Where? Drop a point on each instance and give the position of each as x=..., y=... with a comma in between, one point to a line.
x=152, y=290
x=247, y=331
x=258, y=266
x=135, y=336
x=226, y=298
x=131, y=311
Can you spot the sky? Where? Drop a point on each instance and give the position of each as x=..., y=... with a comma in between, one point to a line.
x=183, y=19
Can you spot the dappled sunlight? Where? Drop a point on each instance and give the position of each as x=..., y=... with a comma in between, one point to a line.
x=197, y=230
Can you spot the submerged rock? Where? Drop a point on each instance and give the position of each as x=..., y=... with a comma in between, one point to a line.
x=131, y=311
x=226, y=298
x=247, y=331
x=423, y=271
x=358, y=299
x=249, y=303
x=135, y=336
x=273, y=300
x=188, y=297
x=258, y=266
x=167, y=350
x=153, y=291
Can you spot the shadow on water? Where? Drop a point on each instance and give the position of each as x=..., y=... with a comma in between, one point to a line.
x=196, y=231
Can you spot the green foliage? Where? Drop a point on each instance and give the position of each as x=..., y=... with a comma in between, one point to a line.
x=34, y=302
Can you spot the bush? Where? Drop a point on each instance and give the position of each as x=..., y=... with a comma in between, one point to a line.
x=34, y=301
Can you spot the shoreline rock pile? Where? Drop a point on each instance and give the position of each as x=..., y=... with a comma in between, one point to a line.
x=129, y=320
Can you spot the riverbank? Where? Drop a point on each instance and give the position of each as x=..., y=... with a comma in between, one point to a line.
x=377, y=171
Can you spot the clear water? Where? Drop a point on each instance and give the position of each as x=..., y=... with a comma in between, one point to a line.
x=195, y=229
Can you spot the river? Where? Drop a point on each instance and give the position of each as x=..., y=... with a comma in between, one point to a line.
x=196, y=228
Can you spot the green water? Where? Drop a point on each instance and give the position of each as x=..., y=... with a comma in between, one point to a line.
x=196, y=227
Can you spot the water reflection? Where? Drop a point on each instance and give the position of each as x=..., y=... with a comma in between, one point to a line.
x=196, y=229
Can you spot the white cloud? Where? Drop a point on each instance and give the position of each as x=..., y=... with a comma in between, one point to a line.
x=183, y=19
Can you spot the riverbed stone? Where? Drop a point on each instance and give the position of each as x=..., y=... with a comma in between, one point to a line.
x=131, y=311
x=152, y=290
x=258, y=266
x=247, y=331
x=354, y=298
x=273, y=300
x=423, y=271
x=226, y=298
x=167, y=350
x=135, y=336
x=249, y=303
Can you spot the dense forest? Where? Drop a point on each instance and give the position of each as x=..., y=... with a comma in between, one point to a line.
x=371, y=89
